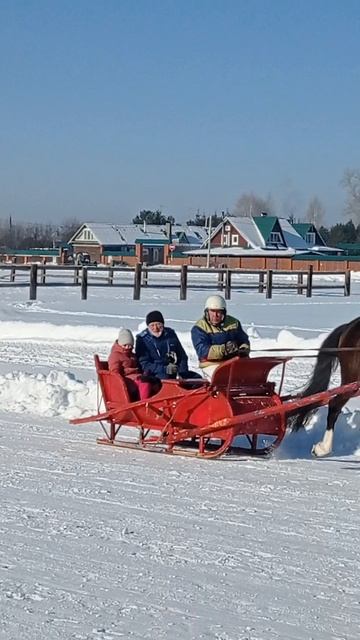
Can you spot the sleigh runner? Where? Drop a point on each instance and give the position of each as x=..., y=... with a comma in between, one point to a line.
x=205, y=419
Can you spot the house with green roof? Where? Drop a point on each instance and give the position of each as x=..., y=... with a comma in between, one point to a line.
x=258, y=232
x=309, y=232
x=271, y=231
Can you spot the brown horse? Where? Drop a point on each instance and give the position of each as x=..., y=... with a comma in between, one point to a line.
x=347, y=337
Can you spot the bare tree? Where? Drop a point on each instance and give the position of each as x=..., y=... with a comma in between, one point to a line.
x=5, y=232
x=351, y=183
x=315, y=212
x=34, y=235
x=67, y=229
x=250, y=204
x=291, y=202
x=20, y=235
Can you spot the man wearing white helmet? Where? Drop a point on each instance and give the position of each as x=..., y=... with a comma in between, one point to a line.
x=217, y=336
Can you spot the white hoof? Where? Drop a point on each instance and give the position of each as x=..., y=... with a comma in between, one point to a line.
x=319, y=450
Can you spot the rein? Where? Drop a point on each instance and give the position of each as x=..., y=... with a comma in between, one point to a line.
x=304, y=349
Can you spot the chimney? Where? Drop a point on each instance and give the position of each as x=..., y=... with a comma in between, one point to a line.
x=263, y=214
x=168, y=230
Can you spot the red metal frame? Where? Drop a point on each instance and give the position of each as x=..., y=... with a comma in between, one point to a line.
x=201, y=418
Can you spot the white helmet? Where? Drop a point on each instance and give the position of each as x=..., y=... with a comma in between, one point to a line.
x=215, y=302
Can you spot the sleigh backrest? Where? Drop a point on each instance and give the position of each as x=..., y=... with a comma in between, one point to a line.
x=112, y=385
x=245, y=372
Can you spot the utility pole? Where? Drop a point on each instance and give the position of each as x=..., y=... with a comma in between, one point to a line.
x=209, y=244
x=11, y=233
x=222, y=227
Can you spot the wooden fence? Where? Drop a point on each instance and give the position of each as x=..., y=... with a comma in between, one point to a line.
x=182, y=278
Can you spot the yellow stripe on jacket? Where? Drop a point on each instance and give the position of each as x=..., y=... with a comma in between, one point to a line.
x=209, y=340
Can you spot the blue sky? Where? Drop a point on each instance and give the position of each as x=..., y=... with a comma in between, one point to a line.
x=109, y=107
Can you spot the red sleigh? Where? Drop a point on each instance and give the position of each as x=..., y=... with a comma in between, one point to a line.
x=239, y=411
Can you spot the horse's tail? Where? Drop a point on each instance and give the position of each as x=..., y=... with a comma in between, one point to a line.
x=325, y=364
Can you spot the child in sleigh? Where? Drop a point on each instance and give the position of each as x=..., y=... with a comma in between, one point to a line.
x=122, y=360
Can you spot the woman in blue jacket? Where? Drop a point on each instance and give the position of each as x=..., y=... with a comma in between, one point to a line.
x=159, y=350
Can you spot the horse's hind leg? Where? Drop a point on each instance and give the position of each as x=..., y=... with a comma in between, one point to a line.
x=324, y=447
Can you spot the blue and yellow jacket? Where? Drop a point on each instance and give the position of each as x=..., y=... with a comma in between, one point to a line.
x=209, y=341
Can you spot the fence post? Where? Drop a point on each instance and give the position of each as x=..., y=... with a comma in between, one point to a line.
x=183, y=282
x=347, y=283
x=300, y=279
x=220, y=280
x=228, y=284
x=76, y=274
x=261, y=281
x=33, y=281
x=309, y=281
x=145, y=276
x=84, y=283
x=43, y=270
x=137, y=281
x=269, y=283
x=13, y=270
x=111, y=275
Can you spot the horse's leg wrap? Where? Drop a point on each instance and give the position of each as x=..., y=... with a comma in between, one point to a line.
x=324, y=447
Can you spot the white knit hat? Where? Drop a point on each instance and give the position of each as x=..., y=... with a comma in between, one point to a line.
x=125, y=337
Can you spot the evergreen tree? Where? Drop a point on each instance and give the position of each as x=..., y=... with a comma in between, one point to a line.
x=342, y=233
x=201, y=220
x=152, y=217
x=325, y=234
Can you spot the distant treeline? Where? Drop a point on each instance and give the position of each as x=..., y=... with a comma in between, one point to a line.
x=17, y=235
x=341, y=233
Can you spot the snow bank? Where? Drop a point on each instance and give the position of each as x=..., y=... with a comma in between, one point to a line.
x=48, y=332
x=346, y=436
x=56, y=394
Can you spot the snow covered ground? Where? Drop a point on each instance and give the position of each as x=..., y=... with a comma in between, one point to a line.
x=103, y=544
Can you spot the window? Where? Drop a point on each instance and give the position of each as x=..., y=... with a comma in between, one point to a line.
x=145, y=251
x=87, y=235
x=275, y=237
x=225, y=240
x=235, y=239
x=310, y=238
x=227, y=227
